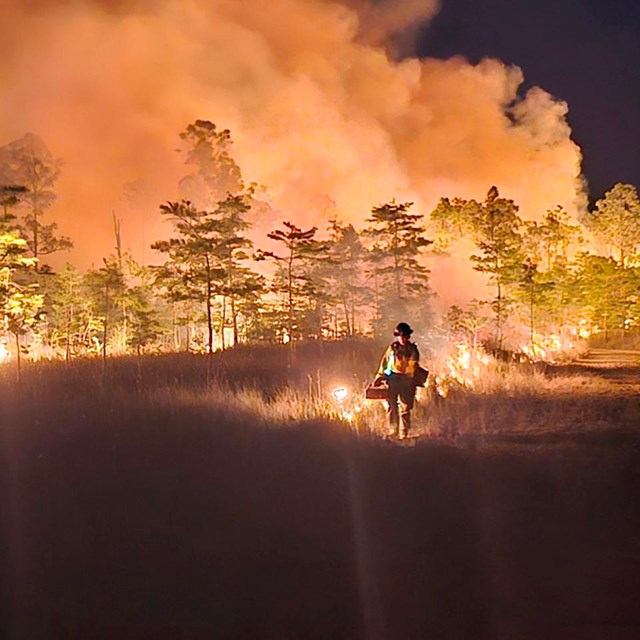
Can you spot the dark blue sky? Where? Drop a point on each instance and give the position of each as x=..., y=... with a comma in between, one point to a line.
x=586, y=52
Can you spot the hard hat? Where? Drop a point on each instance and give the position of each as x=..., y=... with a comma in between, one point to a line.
x=402, y=328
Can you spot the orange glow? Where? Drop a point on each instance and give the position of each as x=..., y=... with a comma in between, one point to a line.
x=315, y=104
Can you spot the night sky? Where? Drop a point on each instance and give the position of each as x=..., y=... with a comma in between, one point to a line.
x=586, y=52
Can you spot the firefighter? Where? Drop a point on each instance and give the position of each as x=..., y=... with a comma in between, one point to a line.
x=398, y=369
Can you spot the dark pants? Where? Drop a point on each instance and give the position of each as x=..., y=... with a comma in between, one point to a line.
x=402, y=392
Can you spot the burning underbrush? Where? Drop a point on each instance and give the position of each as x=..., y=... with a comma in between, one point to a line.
x=469, y=392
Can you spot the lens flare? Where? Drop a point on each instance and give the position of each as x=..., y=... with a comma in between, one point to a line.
x=340, y=394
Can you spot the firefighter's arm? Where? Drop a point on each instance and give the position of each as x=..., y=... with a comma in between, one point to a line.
x=383, y=365
x=414, y=361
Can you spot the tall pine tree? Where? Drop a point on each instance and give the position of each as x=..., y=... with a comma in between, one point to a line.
x=400, y=280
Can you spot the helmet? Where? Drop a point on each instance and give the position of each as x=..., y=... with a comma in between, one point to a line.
x=403, y=329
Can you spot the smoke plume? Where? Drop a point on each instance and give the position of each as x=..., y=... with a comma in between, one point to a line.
x=318, y=107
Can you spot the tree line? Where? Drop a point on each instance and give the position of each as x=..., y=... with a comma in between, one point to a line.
x=213, y=288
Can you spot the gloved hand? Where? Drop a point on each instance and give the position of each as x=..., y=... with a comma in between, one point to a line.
x=378, y=381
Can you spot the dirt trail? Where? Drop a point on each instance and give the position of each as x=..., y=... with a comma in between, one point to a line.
x=614, y=358
x=617, y=366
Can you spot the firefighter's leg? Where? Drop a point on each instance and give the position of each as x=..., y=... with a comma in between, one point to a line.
x=407, y=396
x=392, y=406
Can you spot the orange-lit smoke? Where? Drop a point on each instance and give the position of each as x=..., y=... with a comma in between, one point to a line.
x=316, y=105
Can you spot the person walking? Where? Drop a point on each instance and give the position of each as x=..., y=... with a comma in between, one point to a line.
x=398, y=368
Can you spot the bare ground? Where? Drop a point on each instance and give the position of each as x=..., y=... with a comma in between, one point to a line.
x=126, y=518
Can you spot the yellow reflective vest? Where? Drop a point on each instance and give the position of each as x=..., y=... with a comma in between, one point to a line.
x=400, y=359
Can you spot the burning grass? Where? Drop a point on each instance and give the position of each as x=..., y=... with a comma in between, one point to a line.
x=469, y=393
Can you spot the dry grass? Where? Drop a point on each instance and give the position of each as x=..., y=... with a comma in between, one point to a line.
x=276, y=387
x=193, y=497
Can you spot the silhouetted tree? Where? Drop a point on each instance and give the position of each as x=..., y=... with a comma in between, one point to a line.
x=242, y=285
x=401, y=282
x=9, y=199
x=293, y=282
x=342, y=273
x=615, y=222
x=29, y=163
x=194, y=256
x=216, y=172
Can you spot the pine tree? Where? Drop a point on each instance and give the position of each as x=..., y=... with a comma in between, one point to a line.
x=615, y=222
x=20, y=305
x=242, y=286
x=548, y=242
x=105, y=287
x=29, y=163
x=9, y=199
x=194, y=256
x=546, y=277
x=493, y=226
x=500, y=255
x=145, y=327
x=400, y=280
x=343, y=274
x=534, y=291
x=293, y=281
x=216, y=172
x=453, y=219
x=207, y=259
x=464, y=324
x=72, y=326
x=607, y=292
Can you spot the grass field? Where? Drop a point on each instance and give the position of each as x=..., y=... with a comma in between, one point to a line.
x=183, y=497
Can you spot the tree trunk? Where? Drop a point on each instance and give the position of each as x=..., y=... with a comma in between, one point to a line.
x=290, y=297
x=35, y=238
x=396, y=265
x=209, y=293
x=18, y=358
x=376, y=296
x=67, y=349
x=234, y=318
x=499, y=316
x=499, y=294
x=223, y=322
x=125, y=328
x=531, y=318
x=174, y=327
x=353, y=316
x=105, y=328
x=346, y=316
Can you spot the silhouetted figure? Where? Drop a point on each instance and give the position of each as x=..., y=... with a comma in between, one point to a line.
x=398, y=369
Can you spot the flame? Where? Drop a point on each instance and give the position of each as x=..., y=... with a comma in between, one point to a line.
x=4, y=353
x=553, y=347
x=583, y=330
x=463, y=368
x=467, y=365
x=352, y=415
